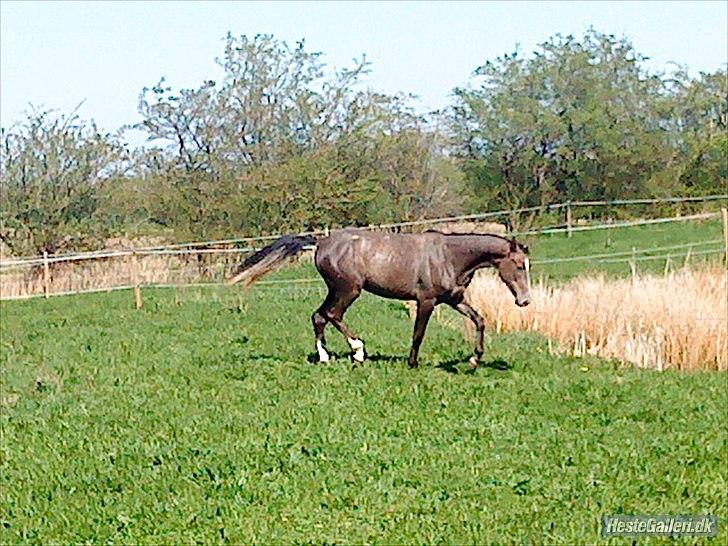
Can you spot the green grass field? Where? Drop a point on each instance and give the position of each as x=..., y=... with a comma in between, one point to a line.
x=200, y=419
x=623, y=240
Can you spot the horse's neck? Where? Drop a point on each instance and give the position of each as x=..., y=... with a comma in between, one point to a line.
x=473, y=252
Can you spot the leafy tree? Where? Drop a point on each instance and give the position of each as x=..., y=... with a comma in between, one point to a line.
x=581, y=119
x=282, y=144
x=275, y=102
x=52, y=169
x=695, y=119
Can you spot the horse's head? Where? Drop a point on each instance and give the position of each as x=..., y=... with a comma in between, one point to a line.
x=514, y=271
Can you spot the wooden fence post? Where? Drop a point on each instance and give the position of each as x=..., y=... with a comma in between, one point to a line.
x=46, y=275
x=633, y=263
x=135, y=281
x=725, y=232
x=608, y=243
x=568, y=219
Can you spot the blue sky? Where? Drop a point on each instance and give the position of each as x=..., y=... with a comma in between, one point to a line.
x=58, y=54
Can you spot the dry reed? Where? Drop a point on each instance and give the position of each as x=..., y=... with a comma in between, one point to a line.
x=678, y=321
x=102, y=273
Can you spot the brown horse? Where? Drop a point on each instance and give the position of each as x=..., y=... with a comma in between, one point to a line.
x=429, y=268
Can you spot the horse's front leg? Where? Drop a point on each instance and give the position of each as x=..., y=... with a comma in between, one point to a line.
x=424, y=310
x=473, y=315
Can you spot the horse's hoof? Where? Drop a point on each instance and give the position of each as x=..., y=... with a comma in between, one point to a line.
x=323, y=354
x=474, y=361
x=357, y=345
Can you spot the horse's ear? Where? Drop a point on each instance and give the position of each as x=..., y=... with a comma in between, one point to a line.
x=514, y=245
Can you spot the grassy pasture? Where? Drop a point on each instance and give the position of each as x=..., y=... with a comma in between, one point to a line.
x=199, y=418
x=621, y=240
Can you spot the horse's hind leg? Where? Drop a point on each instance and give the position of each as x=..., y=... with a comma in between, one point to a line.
x=319, y=321
x=342, y=298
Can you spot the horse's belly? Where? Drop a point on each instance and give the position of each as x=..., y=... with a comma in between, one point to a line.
x=399, y=278
x=390, y=290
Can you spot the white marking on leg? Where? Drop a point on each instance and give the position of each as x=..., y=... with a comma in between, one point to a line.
x=323, y=355
x=357, y=345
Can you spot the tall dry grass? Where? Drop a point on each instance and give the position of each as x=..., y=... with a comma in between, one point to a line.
x=678, y=321
x=105, y=273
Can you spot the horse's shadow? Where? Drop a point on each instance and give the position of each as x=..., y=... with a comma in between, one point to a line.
x=313, y=357
x=449, y=366
x=386, y=358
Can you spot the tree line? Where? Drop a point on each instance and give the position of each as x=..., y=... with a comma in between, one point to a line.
x=281, y=143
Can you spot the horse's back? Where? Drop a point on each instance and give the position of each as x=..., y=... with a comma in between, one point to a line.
x=389, y=264
x=373, y=244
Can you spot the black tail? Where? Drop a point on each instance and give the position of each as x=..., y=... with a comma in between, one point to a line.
x=270, y=258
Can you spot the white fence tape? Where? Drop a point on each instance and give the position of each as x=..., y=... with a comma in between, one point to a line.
x=182, y=251
x=38, y=260
x=628, y=252
x=611, y=225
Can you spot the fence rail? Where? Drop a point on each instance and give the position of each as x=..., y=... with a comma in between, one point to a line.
x=35, y=260
x=205, y=269
x=629, y=252
x=189, y=248
x=611, y=225
x=630, y=256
